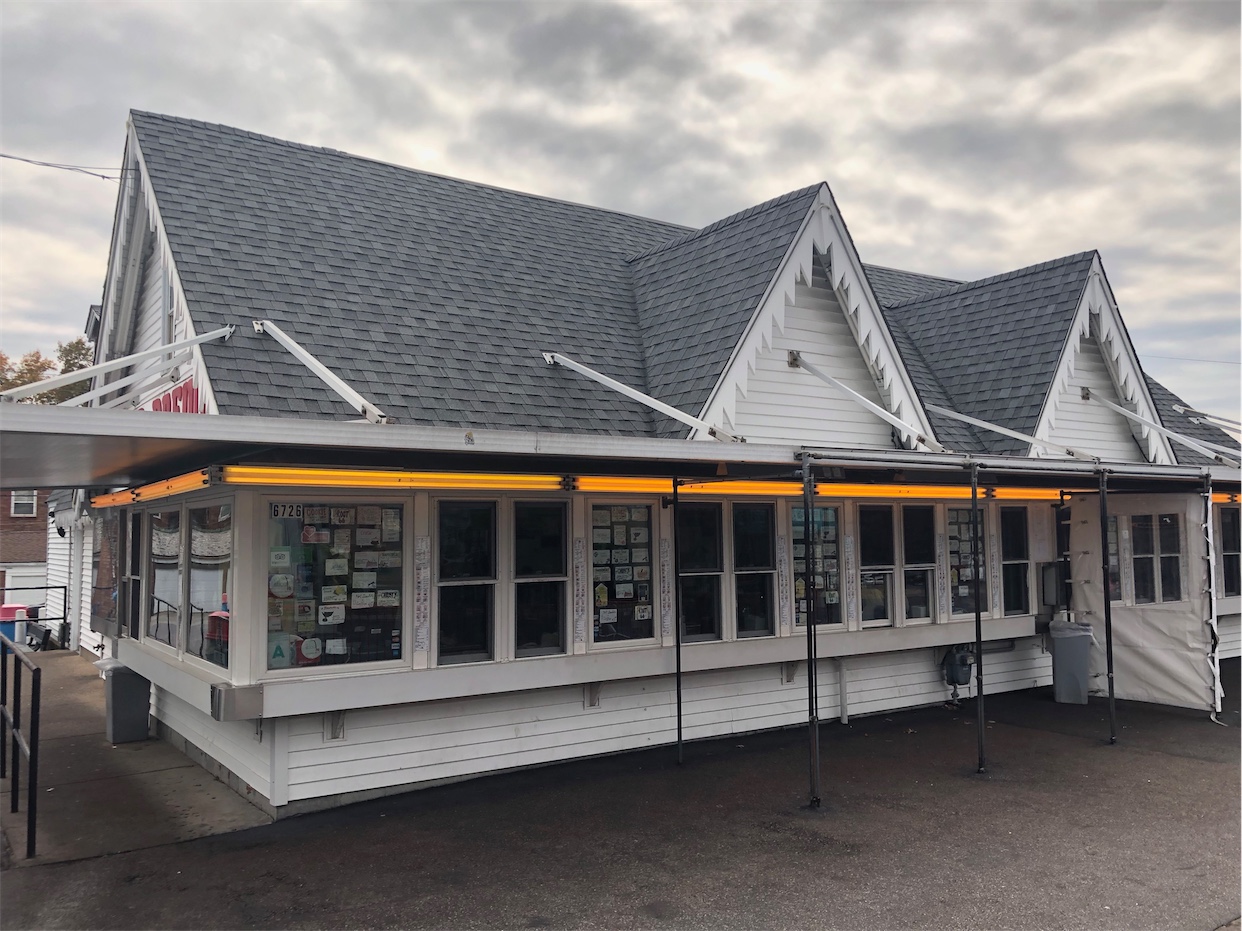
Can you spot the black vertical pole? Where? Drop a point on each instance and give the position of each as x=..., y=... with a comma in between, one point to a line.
x=677, y=616
x=15, y=726
x=977, y=563
x=32, y=778
x=4, y=703
x=812, y=566
x=1108, y=607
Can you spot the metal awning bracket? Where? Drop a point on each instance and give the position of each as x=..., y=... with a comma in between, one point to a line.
x=1217, y=453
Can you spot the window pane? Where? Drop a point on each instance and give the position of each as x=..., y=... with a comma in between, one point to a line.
x=621, y=547
x=700, y=607
x=918, y=535
x=875, y=595
x=918, y=593
x=334, y=584
x=164, y=577
x=698, y=537
x=1232, y=574
x=1143, y=535
x=755, y=604
x=875, y=534
x=752, y=536
x=1170, y=538
x=211, y=562
x=467, y=540
x=539, y=618
x=823, y=547
x=539, y=539
x=1013, y=534
x=1144, y=580
x=106, y=559
x=1170, y=578
x=962, y=564
x=1014, y=584
x=465, y=623
x=1231, y=530
x=1114, y=562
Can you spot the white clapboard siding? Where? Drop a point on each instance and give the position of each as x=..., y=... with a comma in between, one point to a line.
x=59, y=570
x=784, y=404
x=233, y=744
x=149, y=319
x=402, y=745
x=1229, y=630
x=87, y=639
x=1089, y=426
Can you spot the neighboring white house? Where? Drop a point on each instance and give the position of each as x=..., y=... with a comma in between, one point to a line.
x=486, y=572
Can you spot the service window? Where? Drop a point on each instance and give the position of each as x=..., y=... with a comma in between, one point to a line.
x=1231, y=576
x=754, y=568
x=1155, y=541
x=877, y=561
x=540, y=577
x=334, y=583
x=107, y=560
x=821, y=545
x=466, y=581
x=1015, y=561
x=918, y=540
x=962, y=562
x=700, y=548
x=211, y=561
x=621, y=548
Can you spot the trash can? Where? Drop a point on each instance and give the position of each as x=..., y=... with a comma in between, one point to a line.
x=1071, y=659
x=12, y=622
x=128, y=702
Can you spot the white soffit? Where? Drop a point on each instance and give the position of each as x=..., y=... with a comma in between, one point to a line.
x=1098, y=316
x=822, y=231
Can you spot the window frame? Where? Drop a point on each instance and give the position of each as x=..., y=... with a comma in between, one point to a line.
x=1227, y=555
x=772, y=572
x=839, y=506
x=1157, y=557
x=985, y=609
x=656, y=532
x=1025, y=559
x=503, y=628
x=138, y=620
x=895, y=605
x=23, y=498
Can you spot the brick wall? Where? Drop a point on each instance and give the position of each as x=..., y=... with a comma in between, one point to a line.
x=23, y=539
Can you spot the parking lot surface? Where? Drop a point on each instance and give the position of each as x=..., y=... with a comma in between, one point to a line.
x=1063, y=831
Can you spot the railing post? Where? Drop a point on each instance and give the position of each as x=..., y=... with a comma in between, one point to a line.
x=4, y=706
x=32, y=742
x=16, y=726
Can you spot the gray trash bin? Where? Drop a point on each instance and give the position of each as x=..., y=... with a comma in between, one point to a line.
x=128, y=702
x=1071, y=660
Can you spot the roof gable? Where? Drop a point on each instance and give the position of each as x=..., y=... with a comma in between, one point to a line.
x=449, y=289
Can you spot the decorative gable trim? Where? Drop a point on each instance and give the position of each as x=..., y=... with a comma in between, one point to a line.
x=139, y=221
x=1098, y=316
x=823, y=233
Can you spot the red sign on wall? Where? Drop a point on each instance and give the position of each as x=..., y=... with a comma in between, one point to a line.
x=180, y=399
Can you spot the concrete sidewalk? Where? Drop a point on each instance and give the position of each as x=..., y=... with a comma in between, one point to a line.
x=99, y=798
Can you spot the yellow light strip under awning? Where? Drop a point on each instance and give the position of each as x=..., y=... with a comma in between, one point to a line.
x=190, y=481
x=373, y=478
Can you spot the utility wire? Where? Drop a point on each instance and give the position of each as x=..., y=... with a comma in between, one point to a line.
x=1147, y=355
x=81, y=169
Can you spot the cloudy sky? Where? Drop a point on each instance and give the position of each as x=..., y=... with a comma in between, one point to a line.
x=960, y=139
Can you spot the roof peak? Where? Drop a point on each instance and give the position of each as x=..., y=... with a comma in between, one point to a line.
x=720, y=224
x=481, y=185
x=992, y=279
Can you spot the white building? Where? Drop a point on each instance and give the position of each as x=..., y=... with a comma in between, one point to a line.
x=423, y=535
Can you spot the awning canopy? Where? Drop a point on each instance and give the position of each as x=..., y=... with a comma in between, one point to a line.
x=49, y=447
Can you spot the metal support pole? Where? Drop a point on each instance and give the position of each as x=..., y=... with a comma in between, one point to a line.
x=4, y=706
x=812, y=566
x=15, y=724
x=976, y=562
x=32, y=777
x=677, y=616
x=1108, y=608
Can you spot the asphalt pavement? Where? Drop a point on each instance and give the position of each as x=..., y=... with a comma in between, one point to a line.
x=1064, y=830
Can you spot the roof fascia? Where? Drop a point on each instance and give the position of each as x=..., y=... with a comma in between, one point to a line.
x=1098, y=315
x=822, y=230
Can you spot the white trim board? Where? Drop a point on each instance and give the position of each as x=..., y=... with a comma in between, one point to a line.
x=823, y=232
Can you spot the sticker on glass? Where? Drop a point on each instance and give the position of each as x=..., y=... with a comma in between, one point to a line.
x=625, y=591
x=389, y=559
x=601, y=574
x=388, y=598
x=601, y=535
x=336, y=647
x=600, y=557
x=341, y=516
x=331, y=614
x=642, y=612
x=641, y=554
x=335, y=567
x=369, y=515
x=334, y=594
x=364, y=581
x=638, y=535
x=315, y=514
x=392, y=525
x=280, y=585
x=642, y=572
x=368, y=560
x=601, y=595
x=362, y=600
x=311, y=535
x=620, y=556
x=367, y=536
x=280, y=558
x=620, y=514
x=608, y=615
x=600, y=517
x=618, y=534
x=624, y=574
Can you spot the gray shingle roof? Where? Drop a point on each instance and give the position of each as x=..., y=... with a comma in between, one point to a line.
x=1178, y=422
x=993, y=345
x=433, y=297
x=892, y=286
x=696, y=294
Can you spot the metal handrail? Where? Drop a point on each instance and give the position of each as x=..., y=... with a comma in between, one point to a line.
x=25, y=742
x=63, y=617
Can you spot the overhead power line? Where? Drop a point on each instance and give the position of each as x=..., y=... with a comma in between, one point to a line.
x=1185, y=359
x=81, y=169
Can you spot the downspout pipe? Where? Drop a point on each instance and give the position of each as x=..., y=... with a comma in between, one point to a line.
x=977, y=563
x=812, y=567
x=1108, y=607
